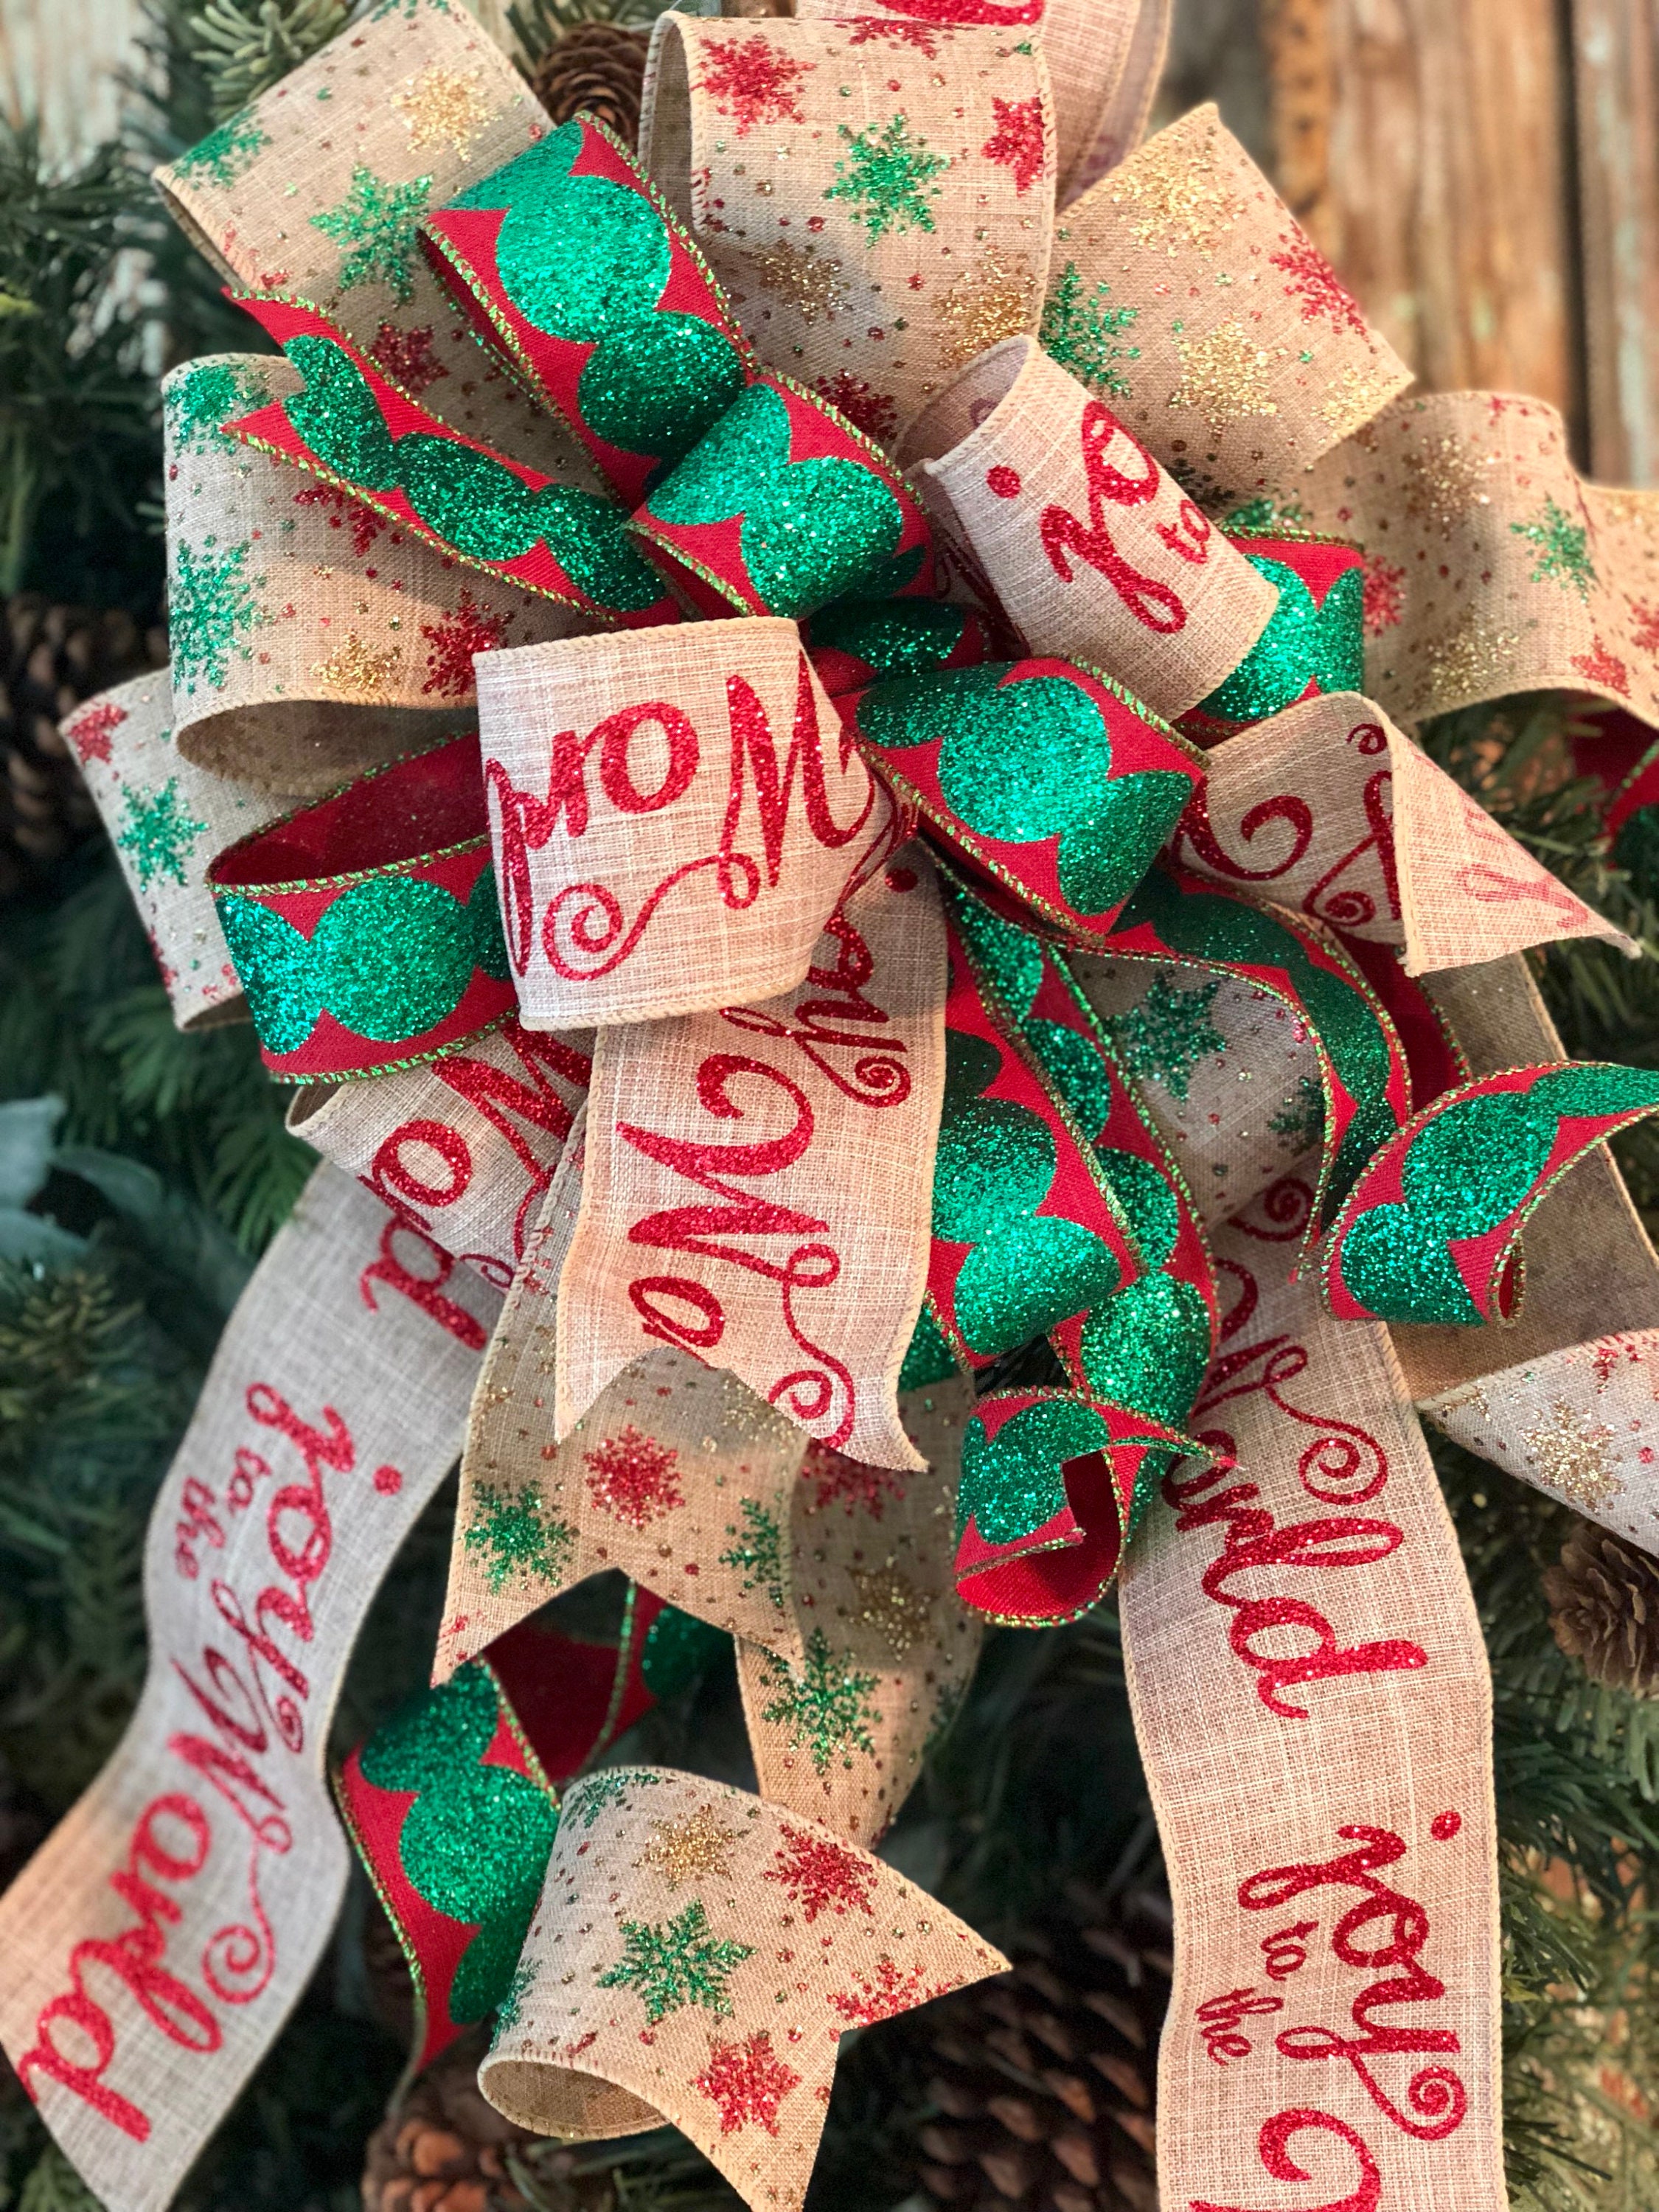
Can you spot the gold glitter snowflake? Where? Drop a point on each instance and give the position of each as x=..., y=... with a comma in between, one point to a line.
x=809, y=281
x=357, y=668
x=442, y=106
x=1468, y=662
x=1570, y=1452
x=1223, y=377
x=1355, y=396
x=901, y=1614
x=1173, y=186
x=1442, y=480
x=993, y=300
x=696, y=1844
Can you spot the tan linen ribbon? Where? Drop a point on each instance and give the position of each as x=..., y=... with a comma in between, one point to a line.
x=761, y=817
x=1328, y=1828
x=878, y=204
x=1330, y=809
x=316, y=188
x=696, y=1956
x=1226, y=1073
x=464, y=1148
x=157, y=1939
x=677, y=1475
x=1097, y=553
x=1567, y=1396
x=167, y=820
x=1492, y=565
x=758, y=1181
x=1245, y=359
x=890, y=1647
x=287, y=599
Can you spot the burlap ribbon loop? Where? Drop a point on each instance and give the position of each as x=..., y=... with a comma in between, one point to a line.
x=696, y=1956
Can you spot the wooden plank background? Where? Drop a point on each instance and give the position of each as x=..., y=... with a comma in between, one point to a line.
x=1485, y=174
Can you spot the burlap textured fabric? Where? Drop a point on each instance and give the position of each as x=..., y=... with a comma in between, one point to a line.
x=875, y=196
x=1565, y=1397
x=287, y=600
x=1329, y=1829
x=674, y=819
x=1241, y=359
x=890, y=1649
x=1226, y=1074
x=316, y=189
x=695, y=1957
x=463, y=1147
x=1492, y=566
x=157, y=1939
x=1330, y=809
x=813, y=1117
x=1099, y=554
x=168, y=820
x=678, y=1475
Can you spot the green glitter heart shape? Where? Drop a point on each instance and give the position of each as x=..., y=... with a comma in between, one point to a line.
x=811, y=529
x=1011, y=1483
x=471, y=500
x=906, y=639
x=1475, y=1162
x=390, y=959
x=1017, y=1285
x=451, y=1843
x=1592, y=1087
x=1399, y=1267
x=1302, y=644
x=1148, y=1347
x=1027, y=761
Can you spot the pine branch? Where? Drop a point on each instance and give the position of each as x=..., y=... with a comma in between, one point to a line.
x=244, y=49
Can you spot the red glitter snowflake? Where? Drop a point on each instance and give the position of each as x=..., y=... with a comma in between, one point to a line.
x=1316, y=284
x=870, y=410
x=752, y=81
x=90, y=732
x=879, y=1996
x=923, y=36
x=849, y=1482
x=1598, y=665
x=1385, y=594
x=747, y=2081
x=1017, y=141
x=1644, y=625
x=407, y=357
x=454, y=641
x=633, y=1477
x=366, y=523
x=817, y=1875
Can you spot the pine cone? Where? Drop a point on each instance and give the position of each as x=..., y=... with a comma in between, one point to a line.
x=597, y=68
x=1604, y=1609
x=52, y=657
x=442, y=2150
x=1047, y=2076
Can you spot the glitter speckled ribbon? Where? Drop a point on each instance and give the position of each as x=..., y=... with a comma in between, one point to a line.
x=1046, y=776
x=358, y=955
x=1314, y=640
x=1430, y=1231
x=696, y=1956
x=451, y=1804
x=354, y=427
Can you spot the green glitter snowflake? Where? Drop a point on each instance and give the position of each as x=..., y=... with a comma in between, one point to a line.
x=758, y=1552
x=210, y=608
x=518, y=1989
x=1164, y=1037
x=1265, y=516
x=1081, y=331
x=1563, y=548
x=676, y=1963
x=225, y=154
x=888, y=181
x=590, y=1796
x=1300, y=1122
x=378, y=221
x=201, y=400
x=159, y=834
x=827, y=1707
x=513, y=1528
